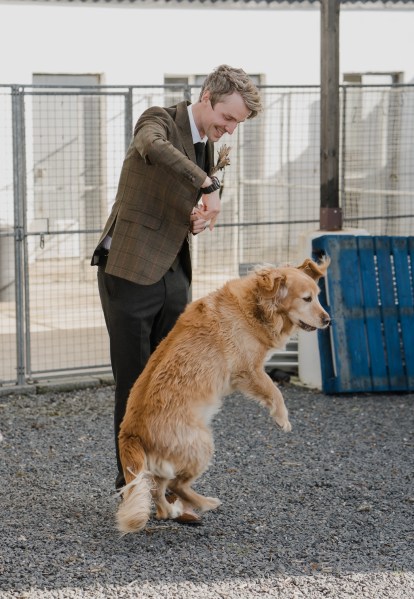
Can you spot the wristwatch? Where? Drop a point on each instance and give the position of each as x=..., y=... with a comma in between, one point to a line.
x=213, y=187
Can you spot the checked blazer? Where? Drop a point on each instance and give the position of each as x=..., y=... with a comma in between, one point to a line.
x=158, y=188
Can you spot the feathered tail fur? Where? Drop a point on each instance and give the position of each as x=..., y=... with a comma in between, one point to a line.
x=135, y=507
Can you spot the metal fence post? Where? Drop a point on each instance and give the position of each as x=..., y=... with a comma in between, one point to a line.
x=19, y=185
x=187, y=93
x=129, y=125
x=343, y=146
x=330, y=211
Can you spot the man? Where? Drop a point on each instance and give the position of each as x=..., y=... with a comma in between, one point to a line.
x=143, y=256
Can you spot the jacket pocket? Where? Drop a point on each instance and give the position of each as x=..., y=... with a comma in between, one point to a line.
x=139, y=217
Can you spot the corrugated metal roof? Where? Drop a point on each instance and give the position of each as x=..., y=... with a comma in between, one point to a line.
x=377, y=4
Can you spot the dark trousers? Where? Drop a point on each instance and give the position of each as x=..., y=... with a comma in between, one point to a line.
x=137, y=317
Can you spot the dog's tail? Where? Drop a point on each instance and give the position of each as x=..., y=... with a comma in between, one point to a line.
x=135, y=507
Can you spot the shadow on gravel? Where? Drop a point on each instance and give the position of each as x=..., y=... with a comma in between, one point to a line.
x=334, y=496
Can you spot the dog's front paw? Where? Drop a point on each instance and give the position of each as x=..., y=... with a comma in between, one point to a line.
x=282, y=420
x=286, y=426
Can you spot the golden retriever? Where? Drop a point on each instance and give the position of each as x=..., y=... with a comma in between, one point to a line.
x=218, y=345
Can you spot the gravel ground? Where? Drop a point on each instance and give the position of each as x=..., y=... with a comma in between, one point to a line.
x=325, y=511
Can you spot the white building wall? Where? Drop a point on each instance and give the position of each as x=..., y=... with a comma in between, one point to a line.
x=139, y=46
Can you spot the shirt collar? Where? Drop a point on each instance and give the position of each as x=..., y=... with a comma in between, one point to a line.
x=194, y=131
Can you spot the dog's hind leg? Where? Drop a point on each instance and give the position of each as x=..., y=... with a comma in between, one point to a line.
x=196, y=459
x=189, y=497
x=163, y=472
x=165, y=510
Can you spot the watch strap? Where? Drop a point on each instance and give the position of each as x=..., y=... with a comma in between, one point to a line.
x=213, y=187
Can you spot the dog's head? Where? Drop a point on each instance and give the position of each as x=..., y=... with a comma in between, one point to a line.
x=293, y=291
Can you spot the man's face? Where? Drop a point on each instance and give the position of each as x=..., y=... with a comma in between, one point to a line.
x=224, y=117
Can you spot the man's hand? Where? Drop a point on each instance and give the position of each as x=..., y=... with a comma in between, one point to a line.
x=209, y=209
x=198, y=225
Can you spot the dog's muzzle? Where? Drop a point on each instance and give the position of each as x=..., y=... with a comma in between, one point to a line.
x=325, y=322
x=306, y=327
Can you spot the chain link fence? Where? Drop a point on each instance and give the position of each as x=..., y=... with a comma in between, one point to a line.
x=61, y=151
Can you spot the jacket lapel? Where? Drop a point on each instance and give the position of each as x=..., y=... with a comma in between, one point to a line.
x=183, y=123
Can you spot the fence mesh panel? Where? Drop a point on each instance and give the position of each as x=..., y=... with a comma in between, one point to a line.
x=378, y=158
x=8, y=347
x=61, y=152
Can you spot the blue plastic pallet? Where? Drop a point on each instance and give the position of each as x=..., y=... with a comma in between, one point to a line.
x=369, y=293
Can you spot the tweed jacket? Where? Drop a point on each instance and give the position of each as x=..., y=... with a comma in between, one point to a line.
x=158, y=188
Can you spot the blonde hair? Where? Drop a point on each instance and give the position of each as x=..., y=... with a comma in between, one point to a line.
x=225, y=80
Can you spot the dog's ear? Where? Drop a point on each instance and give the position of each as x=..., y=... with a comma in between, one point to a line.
x=313, y=270
x=272, y=282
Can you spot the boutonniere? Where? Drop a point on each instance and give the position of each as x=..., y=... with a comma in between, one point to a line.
x=223, y=159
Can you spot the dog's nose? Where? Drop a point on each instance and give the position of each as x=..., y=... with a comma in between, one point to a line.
x=326, y=321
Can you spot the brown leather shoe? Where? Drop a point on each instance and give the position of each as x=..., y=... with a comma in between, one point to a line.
x=189, y=518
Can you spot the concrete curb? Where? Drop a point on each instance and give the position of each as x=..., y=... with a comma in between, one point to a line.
x=64, y=384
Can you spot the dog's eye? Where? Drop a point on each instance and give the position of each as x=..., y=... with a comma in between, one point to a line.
x=307, y=299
